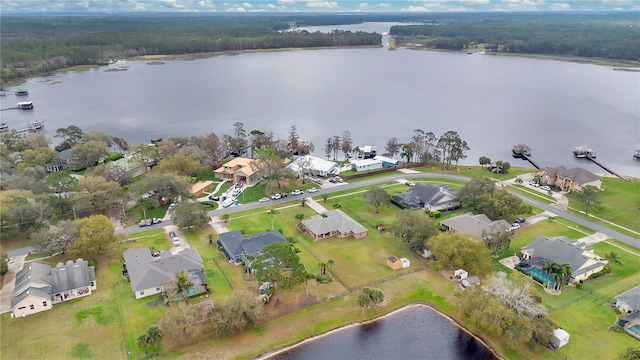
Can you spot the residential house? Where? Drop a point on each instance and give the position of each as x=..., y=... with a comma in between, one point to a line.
x=366, y=164
x=427, y=196
x=238, y=170
x=333, y=223
x=237, y=247
x=478, y=226
x=561, y=250
x=569, y=179
x=38, y=286
x=55, y=166
x=629, y=301
x=148, y=274
x=387, y=161
x=315, y=166
x=129, y=164
x=470, y=281
x=201, y=187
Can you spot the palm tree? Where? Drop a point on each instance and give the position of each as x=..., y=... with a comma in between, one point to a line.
x=330, y=263
x=323, y=268
x=299, y=216
x=211, y=237
x=308, y=276
x=547, y=267
x=183, y=283
x=225, y=218
x=564, y=273
x=320, y=279
x=612, y=258
x=364, y=300
x=154, y=336
x=145, y=203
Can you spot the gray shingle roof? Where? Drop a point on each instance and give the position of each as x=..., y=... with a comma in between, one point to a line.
x=72, y=276
x=147, y=272
x=335, y=220
x=44, y=293
x=428, y=194
x=631, y=297
x=579, y=175
x=34, y=273
x=475, y=224
x=235, y=244
x=561, y=250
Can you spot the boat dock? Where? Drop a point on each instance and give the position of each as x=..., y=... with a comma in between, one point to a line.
x=636, y=154
x=23, y=105
x=589, y=154
x=522, y=151
x=32, y=127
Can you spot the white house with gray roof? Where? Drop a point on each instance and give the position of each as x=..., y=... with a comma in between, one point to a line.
x=238, y=247
x=629, y=301
x=311, y=165
x=333, y=223
x=478, y=226
x=39, y=286
x=149, y=274
x=561, y=250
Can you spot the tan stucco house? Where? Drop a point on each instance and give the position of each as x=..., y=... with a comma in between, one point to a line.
x=561, y=250
x=39, y=286
x=238, y=170
x=569, y=179
x=333, y=223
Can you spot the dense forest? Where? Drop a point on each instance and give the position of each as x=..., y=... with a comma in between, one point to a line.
x=615, y=37
x=36, y=44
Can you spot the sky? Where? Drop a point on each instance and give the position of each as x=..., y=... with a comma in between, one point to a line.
x=208, y=6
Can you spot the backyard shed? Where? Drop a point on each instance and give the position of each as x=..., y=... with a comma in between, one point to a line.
x=559, y=338
x=200, y=187
x=460, y=274
x=394, y=263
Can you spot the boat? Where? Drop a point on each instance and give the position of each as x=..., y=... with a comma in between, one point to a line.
x=35, y=126
x=22, y=92
x=2, y=93
x=4, y=127
x=25, y=105
x=584, y=151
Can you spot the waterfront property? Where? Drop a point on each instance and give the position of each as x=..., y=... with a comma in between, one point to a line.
x=55, y=166
x=478, y=226
x=427, y=196
x=148, y=274
x=560, y=250
x=237, y=247
x=311, y=165
x=128, y=164
x=387, y=161
x=366, y=164
x=38, y=286
x=569, y=179
x=238, y=170
x=367, y=152
x=333, y=223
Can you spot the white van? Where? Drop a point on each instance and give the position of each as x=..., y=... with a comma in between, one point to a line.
x=227, y=203
x=236, y=191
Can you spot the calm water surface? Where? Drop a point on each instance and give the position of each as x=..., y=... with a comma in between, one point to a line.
x=493, y=102
x=412, y=333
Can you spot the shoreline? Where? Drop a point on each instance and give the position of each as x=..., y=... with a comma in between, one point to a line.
x=270, y=354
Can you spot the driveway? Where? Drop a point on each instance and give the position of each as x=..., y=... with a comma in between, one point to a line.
x=6, y=294
x=184, y=244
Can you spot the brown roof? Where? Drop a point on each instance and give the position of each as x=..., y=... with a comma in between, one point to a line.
x=244, y=165
x=393, y=259
x=200, y=185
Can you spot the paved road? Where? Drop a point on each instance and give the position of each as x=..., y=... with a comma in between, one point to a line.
x=355, y=185
x=20, y=252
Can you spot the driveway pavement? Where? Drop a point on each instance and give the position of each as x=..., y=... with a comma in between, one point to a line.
x=6, y=294
x=183, y=239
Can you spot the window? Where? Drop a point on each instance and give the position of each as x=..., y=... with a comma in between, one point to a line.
x=44, y=303
x=22, y=307
x=32, y=307
x=141, y=292
x=158, y=288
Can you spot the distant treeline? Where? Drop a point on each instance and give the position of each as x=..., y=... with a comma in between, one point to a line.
x=34, y=45
x=592, y=35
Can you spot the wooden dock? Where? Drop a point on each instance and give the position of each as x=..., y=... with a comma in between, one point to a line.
x=523, y=152
x=606, y=168
x=32, y=127
x=525, y=157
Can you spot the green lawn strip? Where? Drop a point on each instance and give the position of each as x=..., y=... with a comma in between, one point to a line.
x=155, y=241
x=475, y=171
x=369, y=177
x=550, y=228
x=534, y=194
x=206, y=174
x=98, y=333
x=623, y=246
x=621, y=203
x=585, y=231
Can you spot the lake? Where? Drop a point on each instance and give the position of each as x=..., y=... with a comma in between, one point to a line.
x=416, y=332
x=493, y=102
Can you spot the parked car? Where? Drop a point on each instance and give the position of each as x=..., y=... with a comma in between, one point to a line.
x=409, y=183
x=264, y=199
x=545, y=188
x=276, y=196
x=156, y=221
x=214, y=197
x=297, y=192
x=533, y=183
x=514, y=226
x=174, y=238
x=520, y=220
x=312, y=190
x=239, y=185
x=227, y=203
x=145, y=222
x=318, y=181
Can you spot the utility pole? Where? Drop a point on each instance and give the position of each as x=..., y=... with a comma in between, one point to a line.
x=124, y=214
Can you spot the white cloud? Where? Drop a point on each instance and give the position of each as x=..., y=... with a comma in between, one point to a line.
x=363, y=5
x=237, y=9
x=385, y=5
x=415, y=9
x=247, y=5
x=524, y=3
x=476, y=2
x=560, y=6
x=268, y=6
x=322, y=4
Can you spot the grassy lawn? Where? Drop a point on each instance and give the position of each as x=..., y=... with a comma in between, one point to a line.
x=86, y=328
x=621, y=203
x=476, y=171
x=534, y=194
